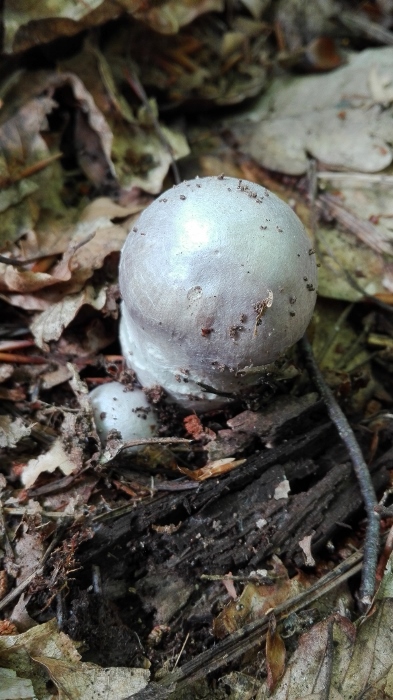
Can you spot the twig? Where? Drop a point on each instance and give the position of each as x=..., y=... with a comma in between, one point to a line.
x=114, y=446
x=181, y=650
x=357, y=179
x=23, y=511
x=259, y=578
x=362, y=473
x=22, y=359
x=19, y=589
x=30, y=170
x=6, y=345
x=253, y=634
x=18, y=263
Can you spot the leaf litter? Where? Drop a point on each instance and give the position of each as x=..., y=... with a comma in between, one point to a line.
x=83, y=148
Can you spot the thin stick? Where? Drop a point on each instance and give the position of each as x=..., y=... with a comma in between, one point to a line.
x=363, y=179
x=10, y=597
x=19, y=263
x=345, y=431
x=32, y=169
x=248, y=637
x=181, y=650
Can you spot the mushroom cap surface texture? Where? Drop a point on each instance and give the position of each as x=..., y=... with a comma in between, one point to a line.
x=217, y=275
x=116, y=407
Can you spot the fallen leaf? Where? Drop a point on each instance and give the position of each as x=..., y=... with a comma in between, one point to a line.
x=142, y=149
x=43, y=653
x=275, y=654
x=212, y=469
x=50, y=324
x=14, y=688
x=28, y=547
x=55, y=458
x=344, y=660
x=256, y=600
x=173, y=14
x=11, y=431
x=87, y=681
x=31, y=24
x=333, y=117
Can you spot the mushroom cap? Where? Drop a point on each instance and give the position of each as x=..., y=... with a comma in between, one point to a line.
x=115, y=407
x=216, y=276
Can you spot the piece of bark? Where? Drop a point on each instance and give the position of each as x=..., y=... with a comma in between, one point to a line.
x=220, y=522
x=228, y=443
x=265, y=424
x=164, y=505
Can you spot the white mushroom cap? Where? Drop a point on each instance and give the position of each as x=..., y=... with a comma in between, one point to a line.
x=115, y=407
x=217, y=275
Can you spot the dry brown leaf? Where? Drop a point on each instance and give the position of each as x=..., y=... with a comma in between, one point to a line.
x=200, y=62
x=30, y=201
x=55, y=458
x=28, y=24
x=212, y=469
x=89, y=243
x=43, y=653
x=19, y=615
x=28, y=547
x=87, y=681
x=338, y=659
x=50, y=324
x=20, y=12
x=275, y=654
x=257, y=600
x=68, y=452
x=141, y=150
x=173, y=14
x=22, y=147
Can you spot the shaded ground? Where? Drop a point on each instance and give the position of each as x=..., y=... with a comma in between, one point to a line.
x=169, y=563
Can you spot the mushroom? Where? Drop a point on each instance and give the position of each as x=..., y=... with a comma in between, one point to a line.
x=115, y=407
x=218, y=278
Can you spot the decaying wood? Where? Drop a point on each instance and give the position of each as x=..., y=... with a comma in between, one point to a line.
x=253, y=634
x=217, y=526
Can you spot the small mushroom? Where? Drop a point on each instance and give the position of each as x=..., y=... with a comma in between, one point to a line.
x=115, y=407
x=221, y=280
